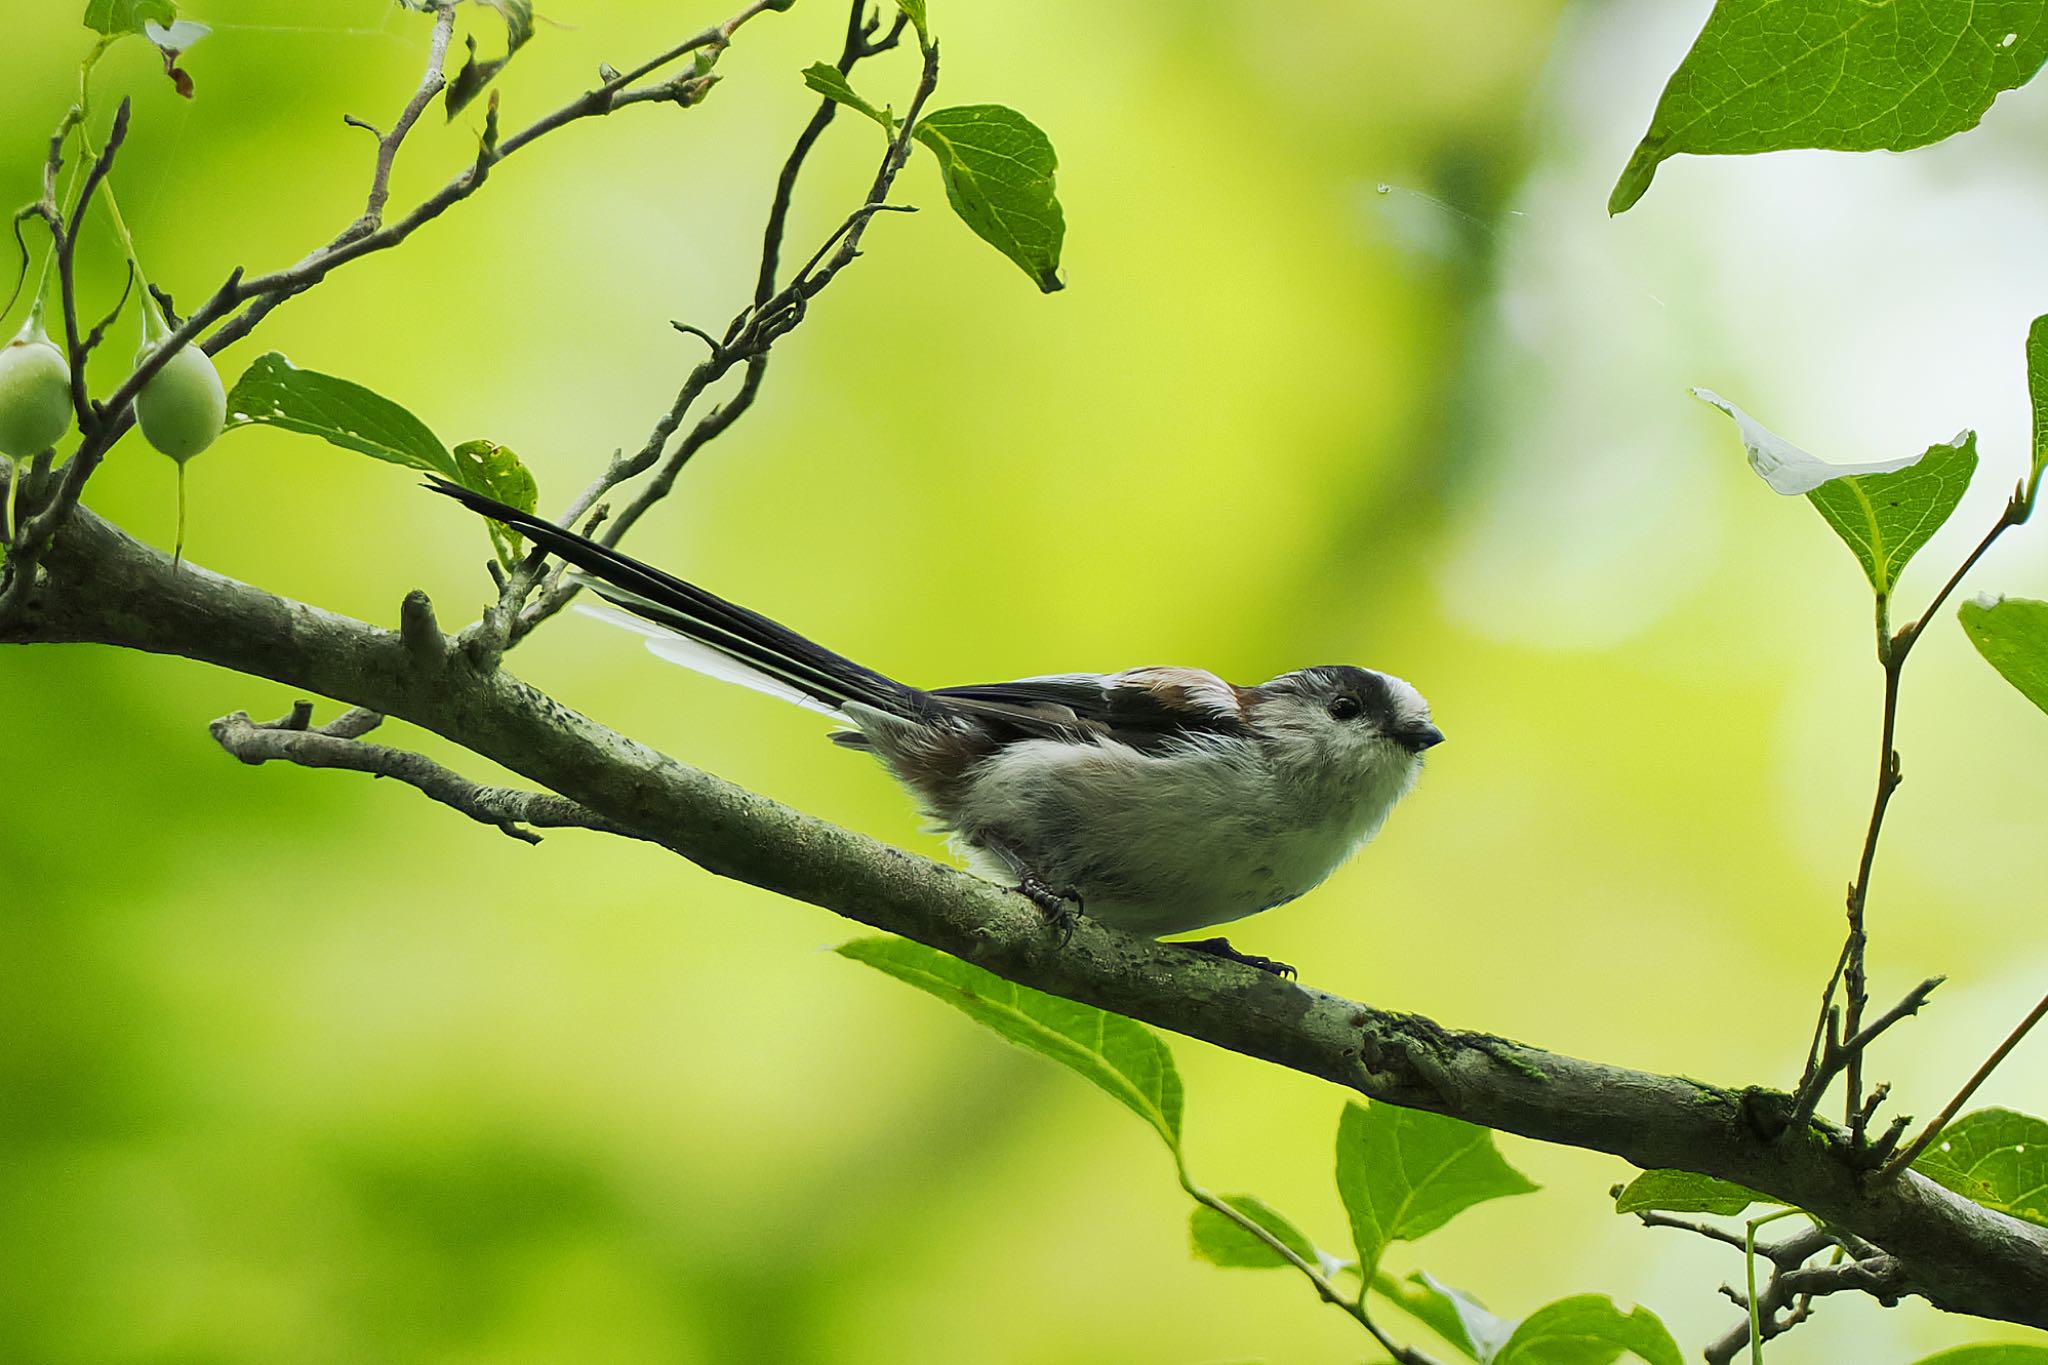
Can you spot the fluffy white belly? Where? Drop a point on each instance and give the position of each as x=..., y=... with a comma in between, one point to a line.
x=1162, y=843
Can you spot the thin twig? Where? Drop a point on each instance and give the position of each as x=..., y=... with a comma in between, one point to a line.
x=1849, y=972
x=1783, y=1303
x=1954, y=1106
x=431, y=83
x=293, y=739
x=1650, y=1218
x=753, y=330
x=1837, y=1054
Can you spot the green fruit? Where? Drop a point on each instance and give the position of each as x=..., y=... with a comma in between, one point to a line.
x=35, y=395
x=183, y=407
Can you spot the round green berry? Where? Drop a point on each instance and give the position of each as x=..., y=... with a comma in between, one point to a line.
x=35, y=395
x=183, y=407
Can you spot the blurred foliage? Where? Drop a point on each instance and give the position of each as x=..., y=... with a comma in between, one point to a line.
x=1351, y=366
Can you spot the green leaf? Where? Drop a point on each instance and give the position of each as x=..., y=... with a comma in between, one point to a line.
x=915, y=10
x=274, y=392
x=998, y=168
x=1884, y=510
x=1846, y=75
x=1884, y=519
x=1404, y=1173
x=470, y=81
x=1995, y=1156
x=1219, y=1241
x=2012, y=635
x=115, y=17
x=830, y=82
x=491, y=468
x=2037, y=389
x=1121, y=1056
x=1990, y=1353
x=1685, y=1192
x=1587, y=1329
x=1452, y=1314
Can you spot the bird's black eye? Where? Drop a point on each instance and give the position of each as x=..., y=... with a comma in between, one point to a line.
x=1346, y=707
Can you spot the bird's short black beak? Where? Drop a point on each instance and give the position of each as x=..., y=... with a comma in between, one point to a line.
x=1416, y=738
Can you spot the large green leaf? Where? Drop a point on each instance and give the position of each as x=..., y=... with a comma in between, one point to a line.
x=998, y=168
x=1404, y=1173
x=1685, y=1192
x=1848, y=75
x=1990, y=1353
x=1219, y=1241
x=1587, y=1329
x=2012, y=635
x=115, y=17
x=1995, y=1156
x=274, y=392
x=1883, y=510
x=1123, y=1057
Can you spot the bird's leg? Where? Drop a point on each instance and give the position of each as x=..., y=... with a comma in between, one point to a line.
x=1220, y=947
x=1060, y=908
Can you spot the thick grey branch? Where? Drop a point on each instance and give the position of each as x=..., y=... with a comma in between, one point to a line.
x=101, y=586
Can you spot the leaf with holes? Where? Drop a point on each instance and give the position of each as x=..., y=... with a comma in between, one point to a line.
x=491, y=468
x=1883, y=510
x=1121, y=1056
x=1685, y=1192
x=1845, y=75
x=1995, y=1156
x=1404, y=1173
x=998, y=168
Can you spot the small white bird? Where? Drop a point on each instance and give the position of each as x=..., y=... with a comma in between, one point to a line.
x=1159, y=800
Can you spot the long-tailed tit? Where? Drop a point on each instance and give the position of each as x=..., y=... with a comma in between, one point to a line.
x=1159, y=800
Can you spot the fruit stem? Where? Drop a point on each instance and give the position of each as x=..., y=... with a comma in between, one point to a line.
x=151, y=313
x=178, y=549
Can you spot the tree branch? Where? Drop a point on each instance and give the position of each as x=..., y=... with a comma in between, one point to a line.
x=293, y=739
x=101, y=586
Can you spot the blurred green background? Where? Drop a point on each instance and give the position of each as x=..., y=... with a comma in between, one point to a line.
x=1352, y=366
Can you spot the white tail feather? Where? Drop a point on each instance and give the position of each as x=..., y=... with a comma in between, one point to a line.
x=681, y=649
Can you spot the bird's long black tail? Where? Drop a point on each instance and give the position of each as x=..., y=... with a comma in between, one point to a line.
x=746, y=637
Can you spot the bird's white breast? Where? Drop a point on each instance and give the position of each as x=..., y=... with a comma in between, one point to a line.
x=1176, y=839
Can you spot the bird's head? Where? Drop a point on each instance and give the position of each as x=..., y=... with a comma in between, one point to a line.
x=1350, y=719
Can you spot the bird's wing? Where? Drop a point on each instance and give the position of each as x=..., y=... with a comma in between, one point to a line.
x=1145, y=707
